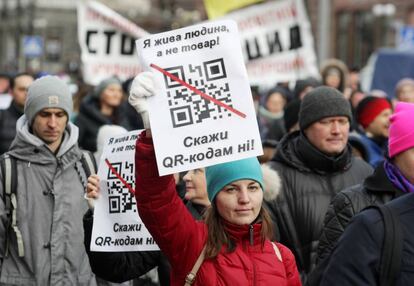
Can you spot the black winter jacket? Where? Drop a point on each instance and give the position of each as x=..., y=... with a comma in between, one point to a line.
x=356, y=258
x=90, y=119
x=376, y=190
x=123, y=266
x=8, y=119
x=310, y=179
x=118, y=266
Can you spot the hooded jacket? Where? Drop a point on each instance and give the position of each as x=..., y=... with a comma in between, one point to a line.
x=340, y=67
x=310, y=179
x=181, y=238
x=49, y=209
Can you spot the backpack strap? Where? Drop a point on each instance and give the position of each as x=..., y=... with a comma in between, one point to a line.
x=89, y=166
x=9, y=171
x=88, y=163
x=391, y=255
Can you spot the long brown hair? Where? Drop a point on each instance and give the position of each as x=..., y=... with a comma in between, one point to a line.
x=217, y=236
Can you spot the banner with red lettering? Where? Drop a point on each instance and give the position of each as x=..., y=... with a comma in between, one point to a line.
x=277, y=42
x=107, y=42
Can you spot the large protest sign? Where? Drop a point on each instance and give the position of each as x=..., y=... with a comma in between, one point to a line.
x=202, y=113
x=116, y=224
x=107, y=41
x=277, y=42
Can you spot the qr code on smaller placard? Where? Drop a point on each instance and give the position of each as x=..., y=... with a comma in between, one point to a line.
x=186, y=106
x=121, y=200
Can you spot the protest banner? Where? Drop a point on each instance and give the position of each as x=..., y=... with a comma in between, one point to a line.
x=217, y=8
x=202, y=113
x=107, y=41
x=116, y=224
x=277, y=42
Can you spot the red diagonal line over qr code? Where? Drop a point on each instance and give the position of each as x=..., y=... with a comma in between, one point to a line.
x=131, y=190
x=202, y=94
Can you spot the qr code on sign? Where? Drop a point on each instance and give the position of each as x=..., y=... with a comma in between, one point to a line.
x=188, y=107
x=121, y=200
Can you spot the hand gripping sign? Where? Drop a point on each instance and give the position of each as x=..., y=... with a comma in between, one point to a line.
x=203, y=112
x=116, y=225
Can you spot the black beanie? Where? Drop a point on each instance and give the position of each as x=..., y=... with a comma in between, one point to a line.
x=302, y=84
x=291, y=113
x=323, y=102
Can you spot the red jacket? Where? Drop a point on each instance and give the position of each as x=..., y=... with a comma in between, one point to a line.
x=181, y=238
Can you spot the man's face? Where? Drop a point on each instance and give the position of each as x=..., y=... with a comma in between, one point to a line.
x=379, y=127
x=19, y=91
x=329, y=135
x=49, y=125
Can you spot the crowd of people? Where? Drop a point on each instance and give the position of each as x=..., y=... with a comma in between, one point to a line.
x=302, y=214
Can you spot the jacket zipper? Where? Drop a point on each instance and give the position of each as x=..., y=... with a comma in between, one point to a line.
x=251, y=233
x=251, y=239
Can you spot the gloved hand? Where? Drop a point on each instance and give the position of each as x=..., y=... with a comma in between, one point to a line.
x=142, y=87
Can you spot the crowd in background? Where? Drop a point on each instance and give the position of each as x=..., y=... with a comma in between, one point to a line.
x=319, y=186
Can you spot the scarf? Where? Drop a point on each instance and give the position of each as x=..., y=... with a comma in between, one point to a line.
x=396, y=178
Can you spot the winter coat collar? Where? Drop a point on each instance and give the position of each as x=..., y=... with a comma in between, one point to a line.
x=241, y=233
x=296, y=151
x=379, y=182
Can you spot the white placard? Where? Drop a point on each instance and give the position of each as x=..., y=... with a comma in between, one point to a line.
x=277, y=42
x=116, y=224
x=202, y=113
x=107, y=41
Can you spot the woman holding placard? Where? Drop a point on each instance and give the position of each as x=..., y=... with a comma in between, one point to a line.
x=232, y=246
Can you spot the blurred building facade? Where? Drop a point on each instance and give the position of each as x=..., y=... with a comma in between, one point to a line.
x=347, y=29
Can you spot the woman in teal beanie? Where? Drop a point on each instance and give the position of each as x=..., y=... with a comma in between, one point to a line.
x=233, y=245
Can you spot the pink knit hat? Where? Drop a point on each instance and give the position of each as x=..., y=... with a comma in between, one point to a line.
x=401, y=135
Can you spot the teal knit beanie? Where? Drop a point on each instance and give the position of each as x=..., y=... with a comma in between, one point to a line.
x=218, y=176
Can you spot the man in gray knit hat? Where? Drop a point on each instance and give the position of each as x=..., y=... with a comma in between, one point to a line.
x=41, y=234
x=314, y=164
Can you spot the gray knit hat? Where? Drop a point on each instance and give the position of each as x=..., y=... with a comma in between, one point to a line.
x=104, y=84
x=323, y=102
x=47, y=92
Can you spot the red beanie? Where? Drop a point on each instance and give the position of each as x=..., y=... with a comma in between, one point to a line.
x=401, y=135
x=369, y=108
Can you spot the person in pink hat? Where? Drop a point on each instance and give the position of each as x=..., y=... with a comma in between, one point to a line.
x=391, y=179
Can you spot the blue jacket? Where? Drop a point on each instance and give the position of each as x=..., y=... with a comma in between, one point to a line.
x=375, y=152
x=356, y=258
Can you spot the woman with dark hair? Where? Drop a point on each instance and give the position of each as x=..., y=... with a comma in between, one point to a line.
x=233, y=245
x=101, y=107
